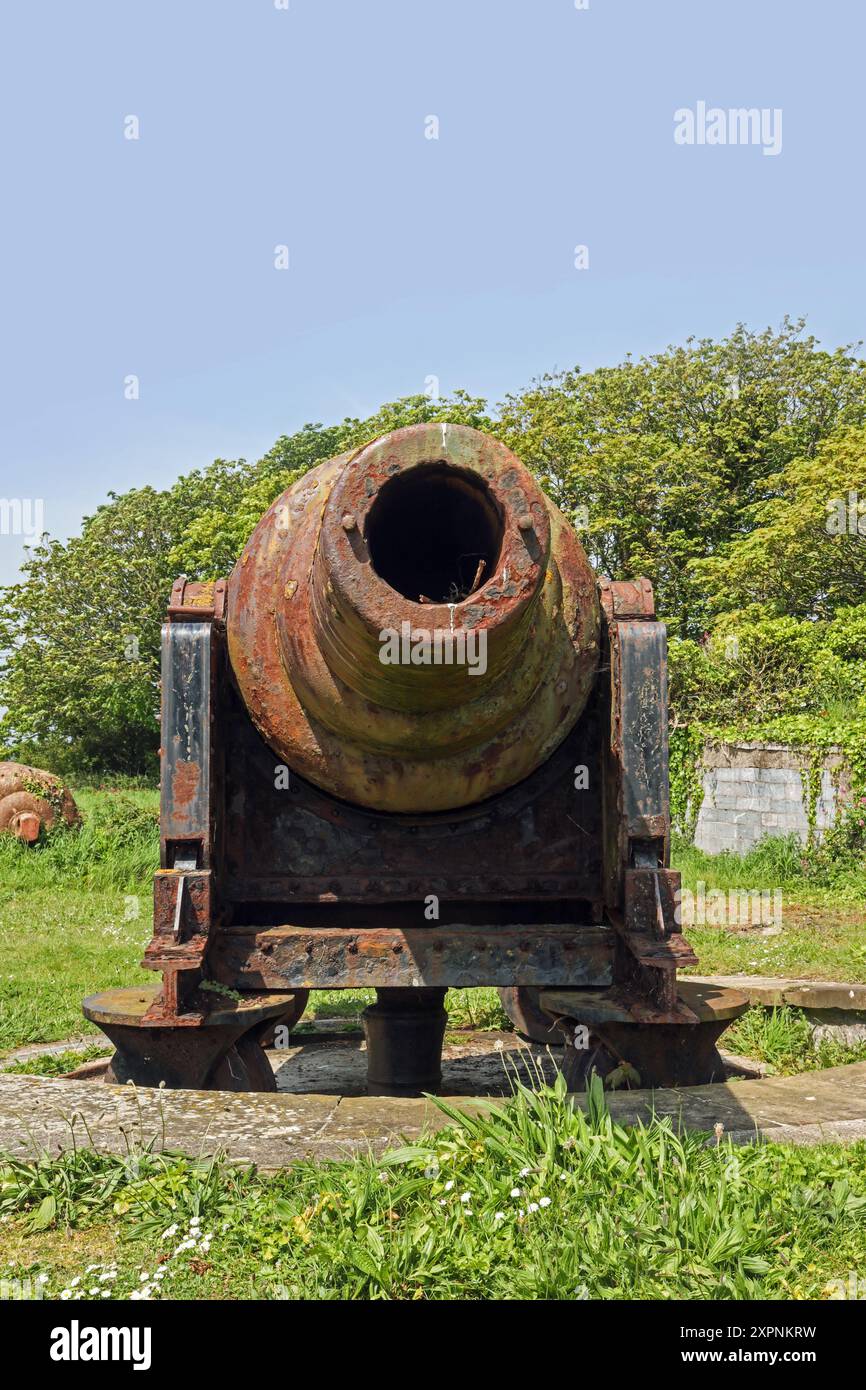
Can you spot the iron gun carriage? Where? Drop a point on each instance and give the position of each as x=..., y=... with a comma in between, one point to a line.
x=413, y=742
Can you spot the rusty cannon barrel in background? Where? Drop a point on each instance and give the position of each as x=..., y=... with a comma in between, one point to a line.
x=33, y=801
x=436, y=530
x=413, y=743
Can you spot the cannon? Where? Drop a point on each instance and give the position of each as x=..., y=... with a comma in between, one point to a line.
x=32, y=801
x=413, y=742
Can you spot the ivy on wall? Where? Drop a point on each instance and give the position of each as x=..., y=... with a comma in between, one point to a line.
x=813, y=737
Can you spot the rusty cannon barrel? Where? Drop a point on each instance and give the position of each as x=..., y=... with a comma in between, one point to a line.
x=414, y=626
x=32, y=801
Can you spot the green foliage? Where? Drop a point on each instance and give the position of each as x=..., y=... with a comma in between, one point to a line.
x=65, y=1191
x=782, y=679
x=117, y=846
x=81, y=636
x=479, y=1009
x=57, y=1063
x=750, y=673
x=80, y=633
x=782, y=1039
x=776, y=860
x=75, y=911
x=802, y=548
x=672, y=454
x=533, y=1199
x=707, y=467
x=843, y=846
x=686, y=785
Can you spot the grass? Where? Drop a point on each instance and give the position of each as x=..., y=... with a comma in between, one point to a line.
x=782, y=1039
x=467, y=1008
x=59, y=1063
x=116, y=848
x=531, y=1200
x=75, y=914
x=58, y=945
x=775, y=862
x=814, y=944
x=823, y=929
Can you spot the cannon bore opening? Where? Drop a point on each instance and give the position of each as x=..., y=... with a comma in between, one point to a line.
x=434, y=534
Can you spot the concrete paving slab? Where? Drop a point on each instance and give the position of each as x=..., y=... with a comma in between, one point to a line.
x=481, y=1065
x=39, y=1114
x=799, y=993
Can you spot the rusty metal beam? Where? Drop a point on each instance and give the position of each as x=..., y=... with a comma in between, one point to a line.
x=453, y=956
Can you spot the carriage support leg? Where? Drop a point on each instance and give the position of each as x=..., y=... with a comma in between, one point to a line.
x=405, y=1030
x=220, y=1052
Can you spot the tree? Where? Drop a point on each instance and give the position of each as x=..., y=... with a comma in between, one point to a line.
x=81, y=634
x=669, y=454
x=804, y=552
x=754, y=671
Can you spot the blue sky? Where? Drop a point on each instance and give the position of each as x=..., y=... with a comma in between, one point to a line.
x=408, y=257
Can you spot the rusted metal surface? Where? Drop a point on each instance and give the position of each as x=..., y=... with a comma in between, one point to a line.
x=316, y=801
x=642, y=649
x=520, y=1003
x=626, y=598
x=222, y=1052
x=26, y=825
x=288, y=1020
x=298, y=844
x=388, y=957
x=307, y=607
x=183, y=926
x=651, y=900
x=673, y=1048
x=186, y=715
x=183, y=913
x=32, y=800
x=641, y=893
x=404, y=1031
x=185, y=904
x=613, y=1005
x=190, y=602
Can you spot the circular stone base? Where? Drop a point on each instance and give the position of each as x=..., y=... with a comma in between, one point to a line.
x=479, y=1064
x=42, y=1115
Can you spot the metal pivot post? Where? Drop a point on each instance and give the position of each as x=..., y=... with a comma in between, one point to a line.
x=405, y=1030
